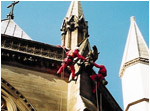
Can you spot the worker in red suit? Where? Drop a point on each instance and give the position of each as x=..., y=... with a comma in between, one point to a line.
x=100, y=77
x=68, y=61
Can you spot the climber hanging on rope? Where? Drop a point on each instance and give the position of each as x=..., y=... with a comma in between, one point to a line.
x=68, y=61
x=100, y=77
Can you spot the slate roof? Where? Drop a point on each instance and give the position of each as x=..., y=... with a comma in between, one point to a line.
x=9, y=27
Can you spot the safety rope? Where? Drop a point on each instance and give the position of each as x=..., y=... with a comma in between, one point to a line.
x=97, y=97
x=62, y=77
x=101, y=102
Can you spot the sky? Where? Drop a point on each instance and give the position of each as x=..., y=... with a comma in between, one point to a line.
x=108, y=22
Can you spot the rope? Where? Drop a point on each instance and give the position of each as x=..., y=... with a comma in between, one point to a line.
x=101, y=102
x=62, y=77
x=97, y=97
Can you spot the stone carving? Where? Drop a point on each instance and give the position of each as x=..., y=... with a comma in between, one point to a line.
x=74, y=22
x=26, y=47
x=92, y=56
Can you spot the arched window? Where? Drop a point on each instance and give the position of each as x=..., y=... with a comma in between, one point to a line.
x=13, y=100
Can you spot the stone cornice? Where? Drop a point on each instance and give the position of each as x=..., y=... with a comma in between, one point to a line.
x=132, y=62
x=31, y=47
x=31, y=54
x=136, y=102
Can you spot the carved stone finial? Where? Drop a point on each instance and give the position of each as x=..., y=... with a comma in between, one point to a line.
x=92, y=56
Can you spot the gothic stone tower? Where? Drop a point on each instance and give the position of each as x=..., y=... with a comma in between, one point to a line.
x=29, y=81
x=74, y=28
x=134, y=71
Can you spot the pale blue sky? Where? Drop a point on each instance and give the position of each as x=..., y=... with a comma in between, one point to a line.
x=108, y=22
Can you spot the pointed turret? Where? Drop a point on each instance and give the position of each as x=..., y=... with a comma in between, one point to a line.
x=75, y=9
x=134, y=71
x=136, y=47
x=74, y=28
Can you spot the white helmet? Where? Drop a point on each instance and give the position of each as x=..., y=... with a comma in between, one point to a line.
x=76, y=48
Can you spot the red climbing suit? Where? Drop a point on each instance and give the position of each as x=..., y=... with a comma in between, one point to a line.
x=100, y=76
x=68, y=61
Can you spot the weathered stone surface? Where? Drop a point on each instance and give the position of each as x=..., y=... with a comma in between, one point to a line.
x=45, y=92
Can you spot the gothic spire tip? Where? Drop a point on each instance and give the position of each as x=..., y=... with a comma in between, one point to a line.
x=132, y=18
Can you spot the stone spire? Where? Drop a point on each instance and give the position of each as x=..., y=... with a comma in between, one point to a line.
x=134, y=71
x=136, y=47
x=75, y=9
x=74, y=28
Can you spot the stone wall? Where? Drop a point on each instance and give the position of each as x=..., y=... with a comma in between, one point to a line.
x=80, y=96
x=46, y=92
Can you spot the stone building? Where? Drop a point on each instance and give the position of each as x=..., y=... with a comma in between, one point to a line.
x=28, y=70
